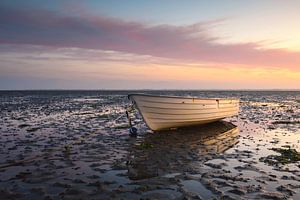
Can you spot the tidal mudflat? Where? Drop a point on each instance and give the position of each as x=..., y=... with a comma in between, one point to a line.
x=75, y=145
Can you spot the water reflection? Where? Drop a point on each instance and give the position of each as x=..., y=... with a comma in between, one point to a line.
x=180, y=150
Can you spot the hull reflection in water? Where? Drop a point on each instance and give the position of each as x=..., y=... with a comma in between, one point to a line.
x=181, y=150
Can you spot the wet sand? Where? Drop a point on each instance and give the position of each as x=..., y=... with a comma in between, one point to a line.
x=75, y=145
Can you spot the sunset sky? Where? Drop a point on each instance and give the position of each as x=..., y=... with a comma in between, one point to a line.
x=157, y=44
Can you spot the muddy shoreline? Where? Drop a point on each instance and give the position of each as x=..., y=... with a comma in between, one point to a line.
x=75, y=145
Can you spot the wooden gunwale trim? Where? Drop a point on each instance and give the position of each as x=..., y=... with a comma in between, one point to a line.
x=179, y=97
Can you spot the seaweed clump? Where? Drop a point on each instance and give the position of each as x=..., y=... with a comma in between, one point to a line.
x=145, y=145
x=287, y=156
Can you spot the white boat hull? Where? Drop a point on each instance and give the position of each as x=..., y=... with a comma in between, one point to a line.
x=164, y=112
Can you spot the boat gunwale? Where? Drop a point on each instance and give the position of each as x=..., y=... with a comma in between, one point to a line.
x=187, y=103
x=179, y=97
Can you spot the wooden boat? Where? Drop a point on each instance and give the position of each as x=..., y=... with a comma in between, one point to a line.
x=165, y=112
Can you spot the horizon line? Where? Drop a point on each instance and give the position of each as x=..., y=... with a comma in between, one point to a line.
x=166, y=89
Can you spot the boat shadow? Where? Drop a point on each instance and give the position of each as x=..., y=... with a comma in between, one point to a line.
x=180, y=150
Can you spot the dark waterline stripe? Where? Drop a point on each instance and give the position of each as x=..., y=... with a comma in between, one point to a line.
x=159, y=113
x=154, y=107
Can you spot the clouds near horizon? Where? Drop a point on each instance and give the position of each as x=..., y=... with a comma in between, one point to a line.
x=50, y=47
x=191, y=42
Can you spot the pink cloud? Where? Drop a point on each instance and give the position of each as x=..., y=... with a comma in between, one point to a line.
x=191, y=42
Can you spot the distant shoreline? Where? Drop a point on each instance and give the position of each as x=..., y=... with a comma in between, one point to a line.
x=217, y=90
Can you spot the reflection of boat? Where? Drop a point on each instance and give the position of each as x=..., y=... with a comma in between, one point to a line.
x=163, y=112
x=179, y=150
